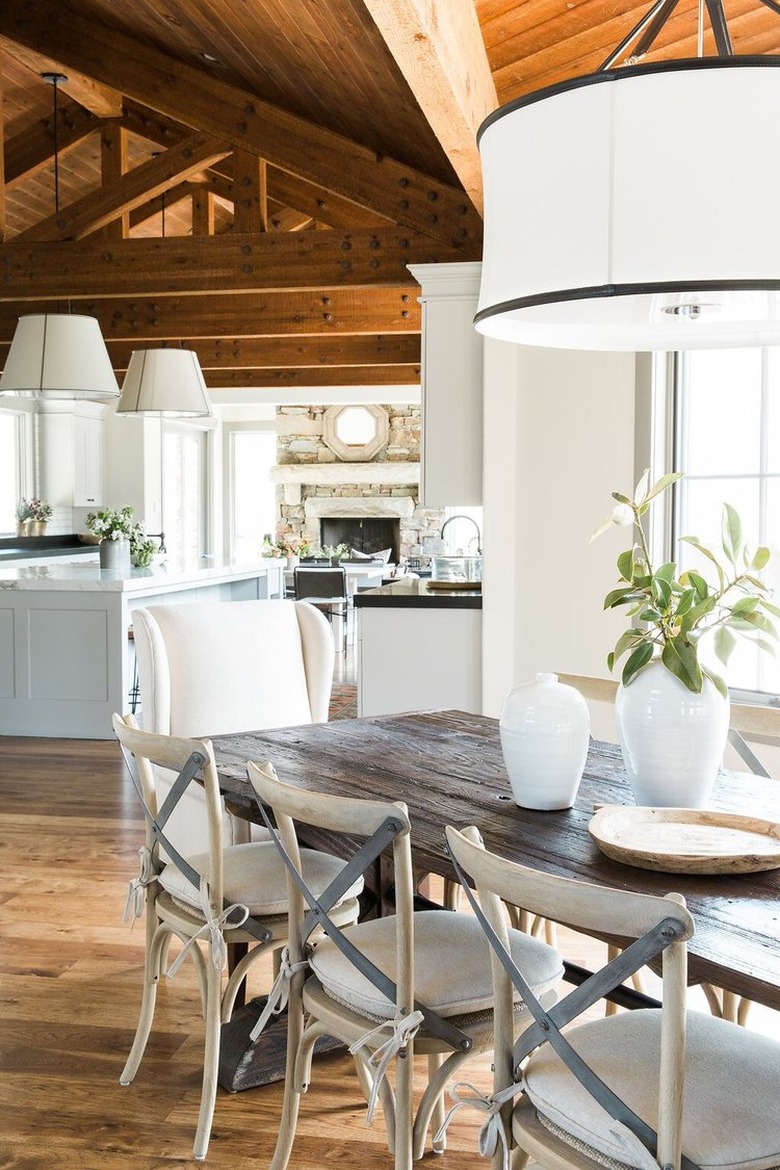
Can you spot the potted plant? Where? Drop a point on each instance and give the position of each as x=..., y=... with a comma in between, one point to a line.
x=114, y=528
x=40, y=512
x=336, y=553
x=293, y=548
x=23, y=517
x=672, y=705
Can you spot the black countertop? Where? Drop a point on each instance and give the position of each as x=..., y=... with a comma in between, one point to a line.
x=417, y=594
x=21, y=548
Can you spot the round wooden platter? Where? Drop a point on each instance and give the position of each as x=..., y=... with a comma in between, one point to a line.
x=686, y=840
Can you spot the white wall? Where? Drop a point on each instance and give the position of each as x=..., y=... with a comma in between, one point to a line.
x=559, y=438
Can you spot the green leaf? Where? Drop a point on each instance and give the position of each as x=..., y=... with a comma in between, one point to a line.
x=640, y=491
x=621, y=499
x=696, y=543
x=717, y=682
x=762, y=644
x=621, y=596
x=680, y=658
x=649, y=615
x=769, y=607
x=698, y=583
x=610, y=660
x=628, y=641
x=662, y=590
x=663, y=483
x=625, y=564
x=604, y=526
x=745, y=605
x=724, y=643
x=760, y=558
x=687, y=598
x=759, y=622
x=666, y=572
x=634, y=663
x=732, y=533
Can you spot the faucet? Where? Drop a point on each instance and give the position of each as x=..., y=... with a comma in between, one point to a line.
x=471, y=520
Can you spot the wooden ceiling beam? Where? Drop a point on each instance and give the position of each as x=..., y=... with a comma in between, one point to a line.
x=292, y=191
x=139, y=185
x=171, y=319
x=332, y=376
x=241, y=118
x=101, y=100
x=31, y=151
x=439, y=49
x=219, y=264
x=248, y=353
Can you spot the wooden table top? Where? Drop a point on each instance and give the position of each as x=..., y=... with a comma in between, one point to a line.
x=448, y=768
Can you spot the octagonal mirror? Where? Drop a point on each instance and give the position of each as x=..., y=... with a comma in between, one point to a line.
x=355, y=433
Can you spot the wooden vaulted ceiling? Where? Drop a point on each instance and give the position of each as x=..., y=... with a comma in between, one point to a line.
x=251, y=179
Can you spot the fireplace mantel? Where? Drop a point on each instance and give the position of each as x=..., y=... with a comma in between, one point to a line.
x=396, y=472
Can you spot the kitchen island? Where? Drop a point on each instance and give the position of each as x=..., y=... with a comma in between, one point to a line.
x=419, y=648
x=66, y=662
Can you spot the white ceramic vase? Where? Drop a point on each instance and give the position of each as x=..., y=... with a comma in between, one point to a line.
x=115, y=556
x=672, y=739
x=545, y=731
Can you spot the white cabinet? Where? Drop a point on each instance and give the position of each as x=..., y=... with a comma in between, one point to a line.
x=70, y=451
x=451, y=455
x=87, y=461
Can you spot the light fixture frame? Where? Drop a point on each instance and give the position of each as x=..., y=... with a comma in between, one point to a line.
x=167, y=383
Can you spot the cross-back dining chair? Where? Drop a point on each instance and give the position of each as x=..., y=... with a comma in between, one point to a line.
x=325, y=588
x=223, y=894
x=647, y=1089
x=411, y=983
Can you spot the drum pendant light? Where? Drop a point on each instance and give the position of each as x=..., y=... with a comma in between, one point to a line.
x=58, y=355
x=632, y=209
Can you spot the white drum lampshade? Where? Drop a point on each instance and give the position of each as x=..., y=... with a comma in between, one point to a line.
x=165, y=382
x=635, y=210
x=59, y=355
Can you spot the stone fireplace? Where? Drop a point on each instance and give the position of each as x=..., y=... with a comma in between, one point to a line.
x=316, y=488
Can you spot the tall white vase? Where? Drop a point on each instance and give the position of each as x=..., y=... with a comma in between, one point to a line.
x=672, y=739
x=545, y=731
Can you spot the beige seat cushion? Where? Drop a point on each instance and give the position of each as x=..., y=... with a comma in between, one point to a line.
x=255, y=876
x=451, y=961
x=731, y=1116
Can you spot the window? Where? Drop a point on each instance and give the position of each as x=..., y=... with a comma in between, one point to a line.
x=251, y=496
x=727, y=441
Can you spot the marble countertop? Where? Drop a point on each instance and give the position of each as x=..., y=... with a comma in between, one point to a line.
x=91, y=578
x=417, y=594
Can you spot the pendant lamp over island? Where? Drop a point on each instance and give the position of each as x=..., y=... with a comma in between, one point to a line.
x=633, y=208
x=59, y=355
x=165, y=382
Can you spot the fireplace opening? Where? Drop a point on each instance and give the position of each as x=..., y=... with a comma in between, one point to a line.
x=366, y=534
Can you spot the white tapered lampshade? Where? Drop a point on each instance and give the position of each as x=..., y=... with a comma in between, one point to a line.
x=166, y=382
x=59, y=355
x=635, y=210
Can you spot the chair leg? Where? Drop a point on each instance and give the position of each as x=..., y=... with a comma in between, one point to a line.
x=208, y=1095
x=404, y=1111
x=292, y=1095
x=155, y=946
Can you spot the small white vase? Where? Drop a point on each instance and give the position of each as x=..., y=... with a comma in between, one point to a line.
x=115, y=556
x=672, y=739
x=545, y=731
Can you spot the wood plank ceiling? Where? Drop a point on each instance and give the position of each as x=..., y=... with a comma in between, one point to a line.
x=251, y=180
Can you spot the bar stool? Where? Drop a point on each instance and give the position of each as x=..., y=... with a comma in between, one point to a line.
x=134, y=694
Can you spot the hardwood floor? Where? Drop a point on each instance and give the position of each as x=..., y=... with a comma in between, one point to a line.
x=70, y=985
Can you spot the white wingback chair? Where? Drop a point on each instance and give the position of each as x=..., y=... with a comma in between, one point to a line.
x=215, y=668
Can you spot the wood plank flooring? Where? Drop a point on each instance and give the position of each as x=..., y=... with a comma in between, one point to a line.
x=70, y=985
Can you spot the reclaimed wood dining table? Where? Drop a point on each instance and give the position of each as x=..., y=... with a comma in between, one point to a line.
x=448, y=768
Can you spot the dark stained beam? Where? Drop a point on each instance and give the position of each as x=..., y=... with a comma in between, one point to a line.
x=225, y=263
x=171, y=319
x=332, y=376
x=251, y=353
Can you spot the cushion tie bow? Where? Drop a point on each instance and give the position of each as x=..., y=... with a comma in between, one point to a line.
x=401, y=1032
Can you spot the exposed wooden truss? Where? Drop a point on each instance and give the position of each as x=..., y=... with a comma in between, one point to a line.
x=253, y=180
